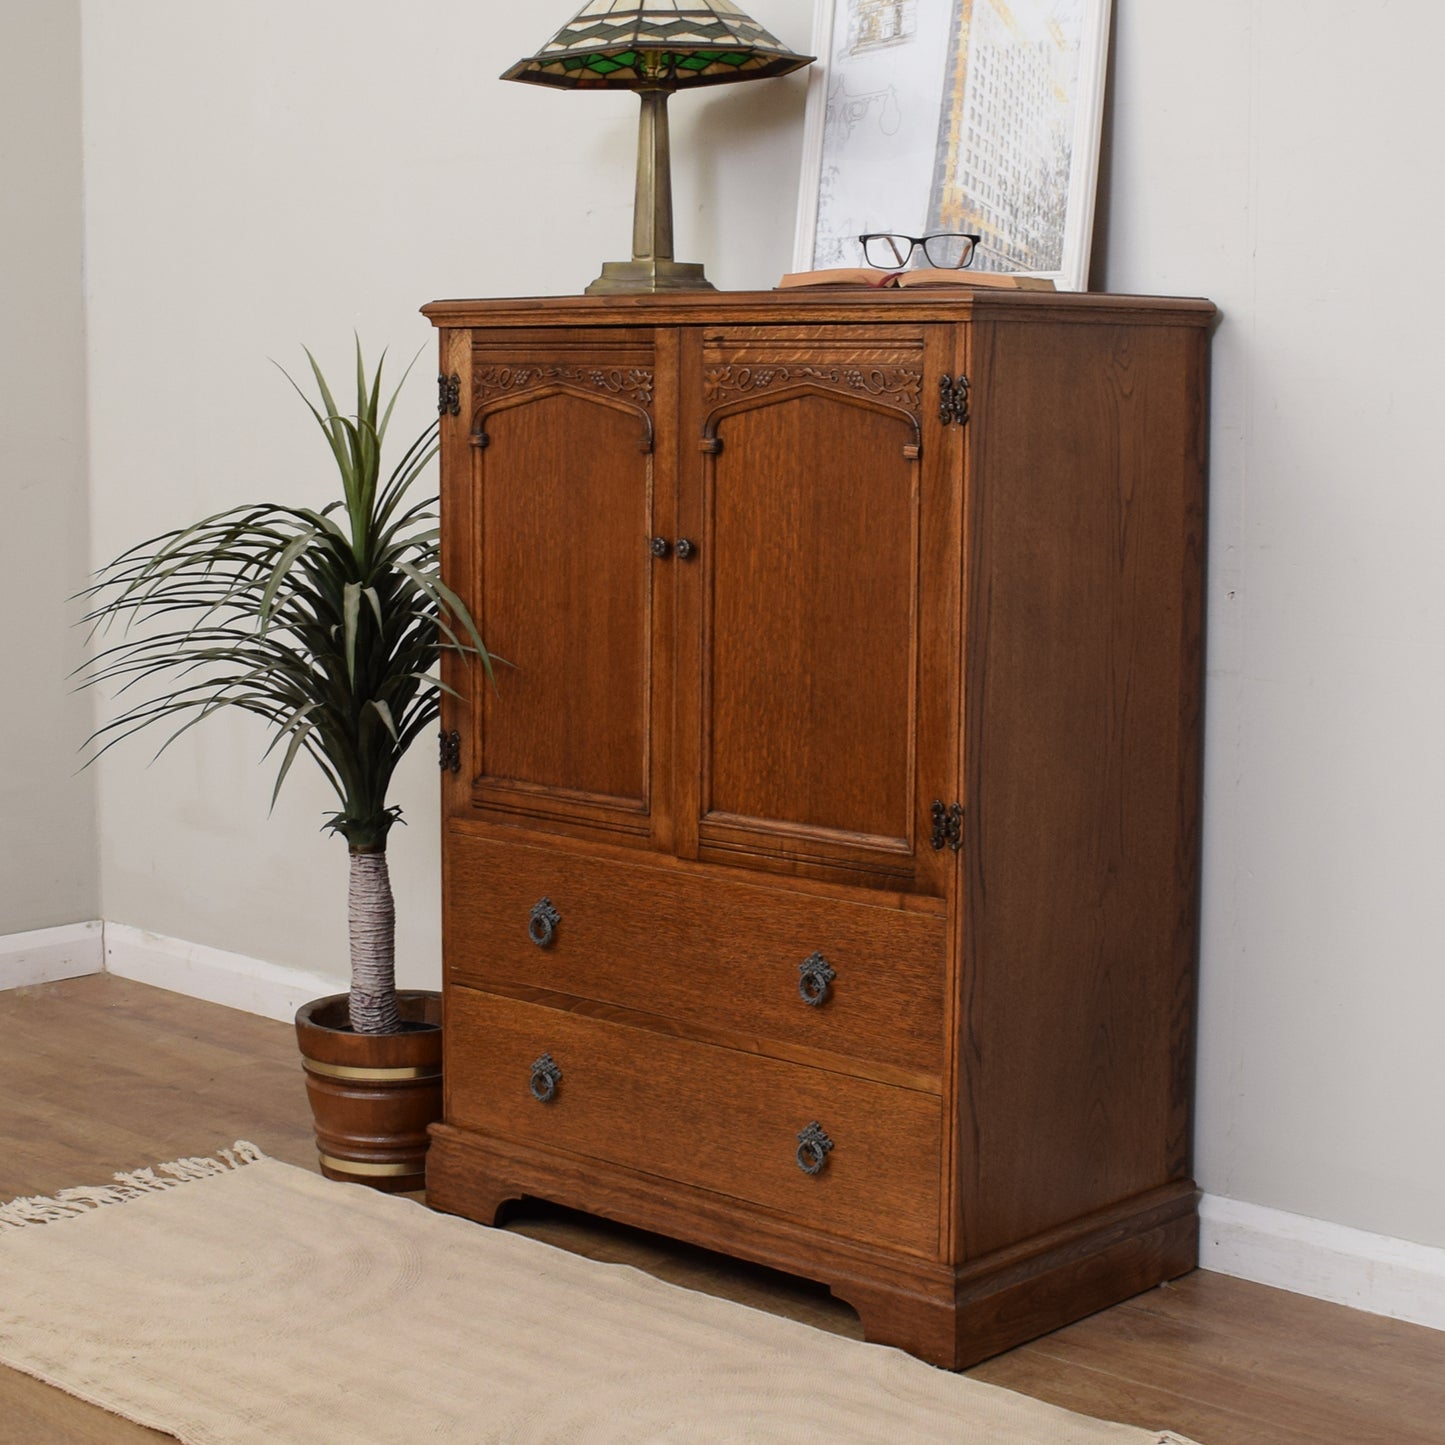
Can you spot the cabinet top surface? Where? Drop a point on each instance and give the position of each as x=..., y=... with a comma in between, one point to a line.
x=821, y=305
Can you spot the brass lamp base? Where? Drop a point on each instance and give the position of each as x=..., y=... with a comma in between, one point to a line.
x=637, y=275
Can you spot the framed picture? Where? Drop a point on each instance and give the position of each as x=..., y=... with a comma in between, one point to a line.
x=980, y=116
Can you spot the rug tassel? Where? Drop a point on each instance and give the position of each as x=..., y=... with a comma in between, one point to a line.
x=69, y=1203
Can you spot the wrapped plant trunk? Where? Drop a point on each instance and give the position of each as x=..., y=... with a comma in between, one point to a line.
x=327, y=624
x=371, y=919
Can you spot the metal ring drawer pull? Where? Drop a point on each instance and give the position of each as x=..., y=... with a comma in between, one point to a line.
x=545, y=1078
x=543, y=923
x=814, y=1146
x=815, y=980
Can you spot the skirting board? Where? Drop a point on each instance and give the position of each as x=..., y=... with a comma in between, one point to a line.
x=47, y=955
x=212, y=974
x=1372, y=1272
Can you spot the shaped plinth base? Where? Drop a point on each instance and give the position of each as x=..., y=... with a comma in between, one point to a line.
x=620, y=277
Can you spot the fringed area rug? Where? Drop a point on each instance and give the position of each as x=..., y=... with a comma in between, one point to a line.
x=240, y=1299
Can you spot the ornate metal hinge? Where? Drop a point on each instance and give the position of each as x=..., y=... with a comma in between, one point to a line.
x=449, y=756
x=953, y=400
x=947, y=826
x=449, y=395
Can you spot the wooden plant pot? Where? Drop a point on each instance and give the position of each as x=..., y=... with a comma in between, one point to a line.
x=373, y=1096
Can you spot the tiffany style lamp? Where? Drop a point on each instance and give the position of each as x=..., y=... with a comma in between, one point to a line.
x=655, y=48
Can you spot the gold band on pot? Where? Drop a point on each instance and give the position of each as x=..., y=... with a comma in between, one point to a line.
x=379, y=1076
x=353, y=1166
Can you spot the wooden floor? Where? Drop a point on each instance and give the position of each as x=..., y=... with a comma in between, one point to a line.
x=99, y=1075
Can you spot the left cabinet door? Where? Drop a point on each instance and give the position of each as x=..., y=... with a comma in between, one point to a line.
x=553, y=489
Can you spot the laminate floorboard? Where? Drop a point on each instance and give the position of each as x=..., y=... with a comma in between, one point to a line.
x=98, y=1074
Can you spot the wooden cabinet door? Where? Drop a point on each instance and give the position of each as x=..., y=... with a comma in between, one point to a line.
x=554, y=507
x=819, y=634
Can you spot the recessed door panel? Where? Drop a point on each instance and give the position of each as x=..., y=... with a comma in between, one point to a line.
x=814, y=594
x=562, y=510
x=825, y=596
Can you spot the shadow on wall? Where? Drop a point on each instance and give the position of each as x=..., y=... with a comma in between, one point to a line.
x=1099, y=247
x=723, y=144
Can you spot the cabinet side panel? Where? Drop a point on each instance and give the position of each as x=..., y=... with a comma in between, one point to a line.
x=1083, y=677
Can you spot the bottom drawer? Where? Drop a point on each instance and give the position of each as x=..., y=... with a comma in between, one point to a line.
x=702, y=1115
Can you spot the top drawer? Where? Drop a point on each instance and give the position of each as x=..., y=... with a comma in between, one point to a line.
x=725, y=958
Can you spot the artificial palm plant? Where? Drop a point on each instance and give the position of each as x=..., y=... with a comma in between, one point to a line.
x=326, y=623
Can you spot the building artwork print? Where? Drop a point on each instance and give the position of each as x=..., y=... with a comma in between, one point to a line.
x=956, y=115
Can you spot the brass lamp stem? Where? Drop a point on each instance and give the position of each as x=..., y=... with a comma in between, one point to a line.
x=652, y=208
x=652, y=267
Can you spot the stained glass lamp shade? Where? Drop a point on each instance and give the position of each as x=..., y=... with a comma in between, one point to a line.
x=655, y=49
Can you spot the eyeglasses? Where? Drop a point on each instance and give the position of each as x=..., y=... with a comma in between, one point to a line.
x=948, y=250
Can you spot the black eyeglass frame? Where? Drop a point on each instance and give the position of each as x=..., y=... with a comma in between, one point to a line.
x=915, y=242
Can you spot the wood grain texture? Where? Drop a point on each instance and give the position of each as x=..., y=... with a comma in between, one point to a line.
x=566, y=731
x=882, y=606
x=373, y=1096
x=722, y=1120
x=1228, y=1362
x=814, y=564
x=800, y=309
x=826, y=490
x=1083, y=661
x=569, y=713
x=1224, y=1361
x=649, y=939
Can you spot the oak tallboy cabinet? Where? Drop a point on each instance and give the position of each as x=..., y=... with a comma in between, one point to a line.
x=820, y=873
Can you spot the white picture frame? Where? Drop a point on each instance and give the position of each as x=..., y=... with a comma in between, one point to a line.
x=956, y=115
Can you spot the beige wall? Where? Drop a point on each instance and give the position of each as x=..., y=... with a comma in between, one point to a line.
x=274, y=174
x=49, y=872
x=265, y=175
x=1278, y=155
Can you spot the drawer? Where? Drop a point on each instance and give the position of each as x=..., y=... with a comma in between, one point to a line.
x=713, y=954
x=702, y=1115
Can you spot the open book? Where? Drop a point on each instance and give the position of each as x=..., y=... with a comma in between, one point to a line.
x=923, y=276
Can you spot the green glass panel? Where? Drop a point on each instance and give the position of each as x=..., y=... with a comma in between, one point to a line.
x=702, y=59
x=597, y=64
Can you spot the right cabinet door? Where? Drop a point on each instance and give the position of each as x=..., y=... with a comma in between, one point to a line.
x=818, y=657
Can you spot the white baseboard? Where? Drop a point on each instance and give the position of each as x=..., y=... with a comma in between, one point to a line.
x=47, y=955
x=1372, y=1272
x=212, y=974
